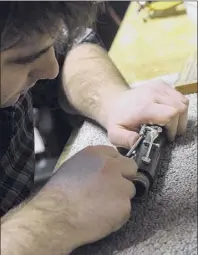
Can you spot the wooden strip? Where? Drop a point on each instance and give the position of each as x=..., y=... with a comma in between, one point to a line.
x=189, y=71
x=187, y=88
x=187, y=81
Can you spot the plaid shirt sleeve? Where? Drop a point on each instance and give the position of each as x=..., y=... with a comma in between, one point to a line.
x=16, y=153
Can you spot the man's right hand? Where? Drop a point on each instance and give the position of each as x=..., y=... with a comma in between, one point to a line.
x=96, y=186
x=85, y=200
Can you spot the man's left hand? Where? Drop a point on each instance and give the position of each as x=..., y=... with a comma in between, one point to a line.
x=150, y=103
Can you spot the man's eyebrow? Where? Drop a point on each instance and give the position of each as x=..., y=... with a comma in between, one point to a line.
x=29, y=58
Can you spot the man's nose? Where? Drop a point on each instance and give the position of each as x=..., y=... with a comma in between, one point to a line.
x=47, y=68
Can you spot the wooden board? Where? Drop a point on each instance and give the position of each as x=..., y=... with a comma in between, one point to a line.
x=142, y=51
x=187, y=81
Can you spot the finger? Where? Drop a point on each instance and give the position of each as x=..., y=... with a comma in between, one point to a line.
x=130, y=188
x=176, y=100
x=122, y=137
x=126, y=188
x=183, y=118
x=172, y=127
x=127, y=167
x=183, y=121
x=172, y=92
x=177, y=121
x=173, y=102
x=159, y=114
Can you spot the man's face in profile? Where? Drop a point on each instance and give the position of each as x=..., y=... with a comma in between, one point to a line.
x=23, y=65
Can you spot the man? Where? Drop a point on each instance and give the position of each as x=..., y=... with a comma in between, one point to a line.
x=89, y=196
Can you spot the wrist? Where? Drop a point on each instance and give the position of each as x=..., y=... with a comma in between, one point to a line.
x=110, y=100
x=57, y=216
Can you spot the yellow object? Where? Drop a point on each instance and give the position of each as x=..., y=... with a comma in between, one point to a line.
x=161, y=6
x=142, y=51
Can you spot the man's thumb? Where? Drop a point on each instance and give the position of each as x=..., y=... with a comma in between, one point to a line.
x=121, y=137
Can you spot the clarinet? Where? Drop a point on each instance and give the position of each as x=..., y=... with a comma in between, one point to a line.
x=146, y=153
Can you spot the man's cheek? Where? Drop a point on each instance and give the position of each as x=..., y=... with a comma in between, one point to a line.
x=8, y=93
x=7, y=101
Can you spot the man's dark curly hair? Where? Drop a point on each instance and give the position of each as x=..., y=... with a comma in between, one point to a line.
x=19, y=19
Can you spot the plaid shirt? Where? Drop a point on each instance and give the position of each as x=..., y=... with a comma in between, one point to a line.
x=17, y=159
x=16, y=153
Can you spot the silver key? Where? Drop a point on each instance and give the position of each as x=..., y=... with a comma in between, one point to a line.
x=153, y=135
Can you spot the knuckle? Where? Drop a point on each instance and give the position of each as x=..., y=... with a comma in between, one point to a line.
x=111, y=151
x=165, y=85
x=109, y=166
x=174, y=113
x=160, y=84
x=183, y=108
x=110, y=148
x=186, y=101
x=128, y=167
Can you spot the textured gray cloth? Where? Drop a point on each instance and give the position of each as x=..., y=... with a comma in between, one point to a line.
x=167, y=222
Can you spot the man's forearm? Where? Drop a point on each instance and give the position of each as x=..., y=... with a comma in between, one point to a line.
x=91, y=81
x=38, y=227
